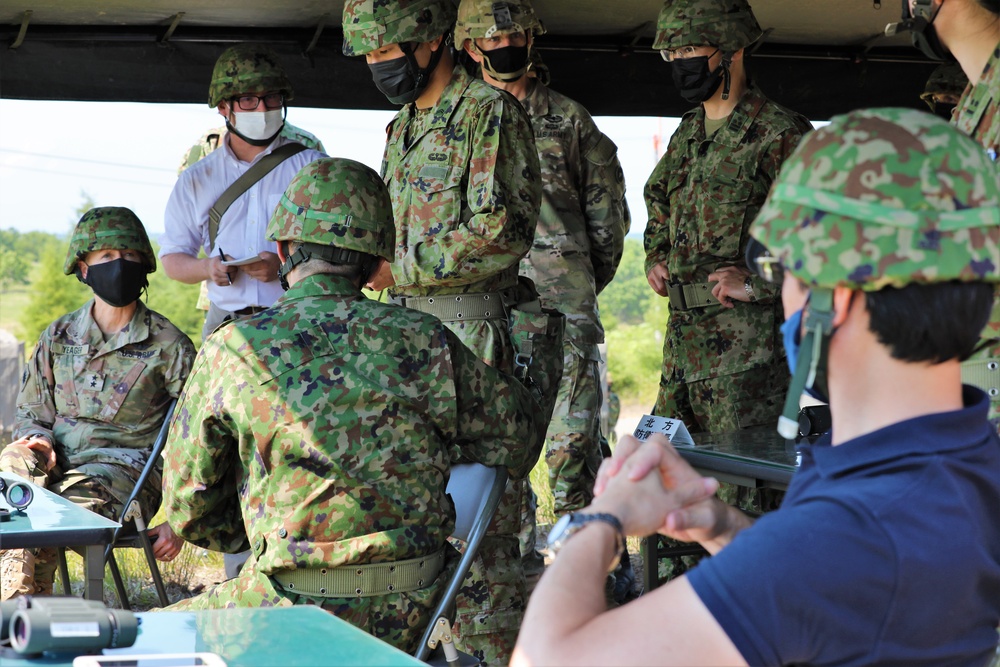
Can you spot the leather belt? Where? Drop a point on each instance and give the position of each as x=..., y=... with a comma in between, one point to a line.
x=455, y=307
x=985, y=374
x=249, y=310
x=688, y=296
x=365, y=580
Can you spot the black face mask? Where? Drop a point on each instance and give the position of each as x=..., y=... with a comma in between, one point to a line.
x=119, y=283
x=508, y=63
x=921, y=25
x=402, y=80
x=943, y=109
x=693, y=79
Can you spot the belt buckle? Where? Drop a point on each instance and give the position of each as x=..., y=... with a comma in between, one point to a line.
x=678, y=289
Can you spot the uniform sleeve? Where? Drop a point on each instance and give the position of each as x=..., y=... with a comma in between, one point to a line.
x=656, y=238
x=36, y=407
x=502, y=197
x=497, y=420
x=181, y=358
x=604, y=206
x=782, y=145
x=201, y=467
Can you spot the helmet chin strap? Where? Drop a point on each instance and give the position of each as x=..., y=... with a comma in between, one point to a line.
x=818, y=322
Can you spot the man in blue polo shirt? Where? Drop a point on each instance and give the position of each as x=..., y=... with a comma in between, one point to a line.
x=884, y=228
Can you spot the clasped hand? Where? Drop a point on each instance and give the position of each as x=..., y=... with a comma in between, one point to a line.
x=651, y=489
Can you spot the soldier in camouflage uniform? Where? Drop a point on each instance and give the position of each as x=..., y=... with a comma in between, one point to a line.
x=465, y=185
x=578, y=240
x=722, y=360
x=96, y=391
x=944, y=88
x=975, y=25
x=885, y=230
x=250, y=90
x=321, y=430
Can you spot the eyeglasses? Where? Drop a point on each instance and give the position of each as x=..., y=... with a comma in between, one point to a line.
x=250, y=102
x=680, y=53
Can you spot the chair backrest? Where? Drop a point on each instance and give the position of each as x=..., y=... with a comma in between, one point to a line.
x=147, y=470
x=475, y=489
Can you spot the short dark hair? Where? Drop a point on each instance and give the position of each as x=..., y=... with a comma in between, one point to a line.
x=935, y=322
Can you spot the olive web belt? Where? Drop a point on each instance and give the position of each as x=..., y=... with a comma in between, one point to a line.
x=688, y=296
x=365, y=580
x=452, y=307
x=985, y=374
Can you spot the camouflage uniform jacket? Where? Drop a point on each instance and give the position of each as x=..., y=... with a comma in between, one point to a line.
x=978, y=111
x=465, y=188
x=701, y=199
x=584, y=217
x=103, y=402
x=323, y=429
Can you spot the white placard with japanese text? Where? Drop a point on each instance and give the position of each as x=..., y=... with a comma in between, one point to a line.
x=672, y=428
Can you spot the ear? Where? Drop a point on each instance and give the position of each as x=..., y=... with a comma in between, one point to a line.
x=473, y=52
x=842, y=304
x=281, y=251
x=223, y=109
x=736, y=57
x=435, y=43
x=83, y=269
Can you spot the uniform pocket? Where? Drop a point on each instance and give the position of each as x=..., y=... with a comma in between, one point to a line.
x=720, y=232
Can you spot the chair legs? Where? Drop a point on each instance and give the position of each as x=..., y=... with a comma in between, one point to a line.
x=119, y=583
x=112, y=563
x=64, y=572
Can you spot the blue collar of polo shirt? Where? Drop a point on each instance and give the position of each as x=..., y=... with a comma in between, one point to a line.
x=923, y=436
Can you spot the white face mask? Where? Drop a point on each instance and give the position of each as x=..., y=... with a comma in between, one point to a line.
x=258, y=126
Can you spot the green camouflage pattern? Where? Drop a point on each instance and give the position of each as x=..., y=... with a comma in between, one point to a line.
x=336, y=202
x=978, y=110
x=885, y=198
x=947, y=79
x=580, y=235
x=476, y=18
x=701, y=199
x=212, y=139
x=114, y=227
x=321, y=432
x=371, y=24
x=247, y=68
x=727, y=24
x=392, y=617
x=465, y=186
x=103, y=402
x=578, y=245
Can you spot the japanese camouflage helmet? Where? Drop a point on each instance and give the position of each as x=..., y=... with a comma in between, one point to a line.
x=485, y=18
x=336, y=202
x=247, y=68
x=371, y=24
x=114, y=227
x=727, y=24
x=947, y=79
x=884, y=197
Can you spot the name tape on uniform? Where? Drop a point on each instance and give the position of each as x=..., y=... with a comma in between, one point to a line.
x=672, y=428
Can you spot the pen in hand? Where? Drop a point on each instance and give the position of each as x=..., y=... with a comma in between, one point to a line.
x=222, y=256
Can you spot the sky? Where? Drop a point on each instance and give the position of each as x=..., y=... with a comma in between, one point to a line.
x=54, y=154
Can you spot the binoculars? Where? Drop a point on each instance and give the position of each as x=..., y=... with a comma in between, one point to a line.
x=65, y=625
x=17, y=494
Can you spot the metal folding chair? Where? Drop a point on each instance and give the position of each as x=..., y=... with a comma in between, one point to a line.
x=132, y=513
x=475, y=490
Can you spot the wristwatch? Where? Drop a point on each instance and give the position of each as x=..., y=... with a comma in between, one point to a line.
x=570, y=524
x=748, y=288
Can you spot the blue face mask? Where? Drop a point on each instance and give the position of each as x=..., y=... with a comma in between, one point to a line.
x=791, y=332
x=792, y=338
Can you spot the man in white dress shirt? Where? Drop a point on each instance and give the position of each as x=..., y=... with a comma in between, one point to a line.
x=250, y=90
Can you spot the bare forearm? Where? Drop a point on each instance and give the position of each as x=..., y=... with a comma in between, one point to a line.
x=185, y=268
x=567, y=598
